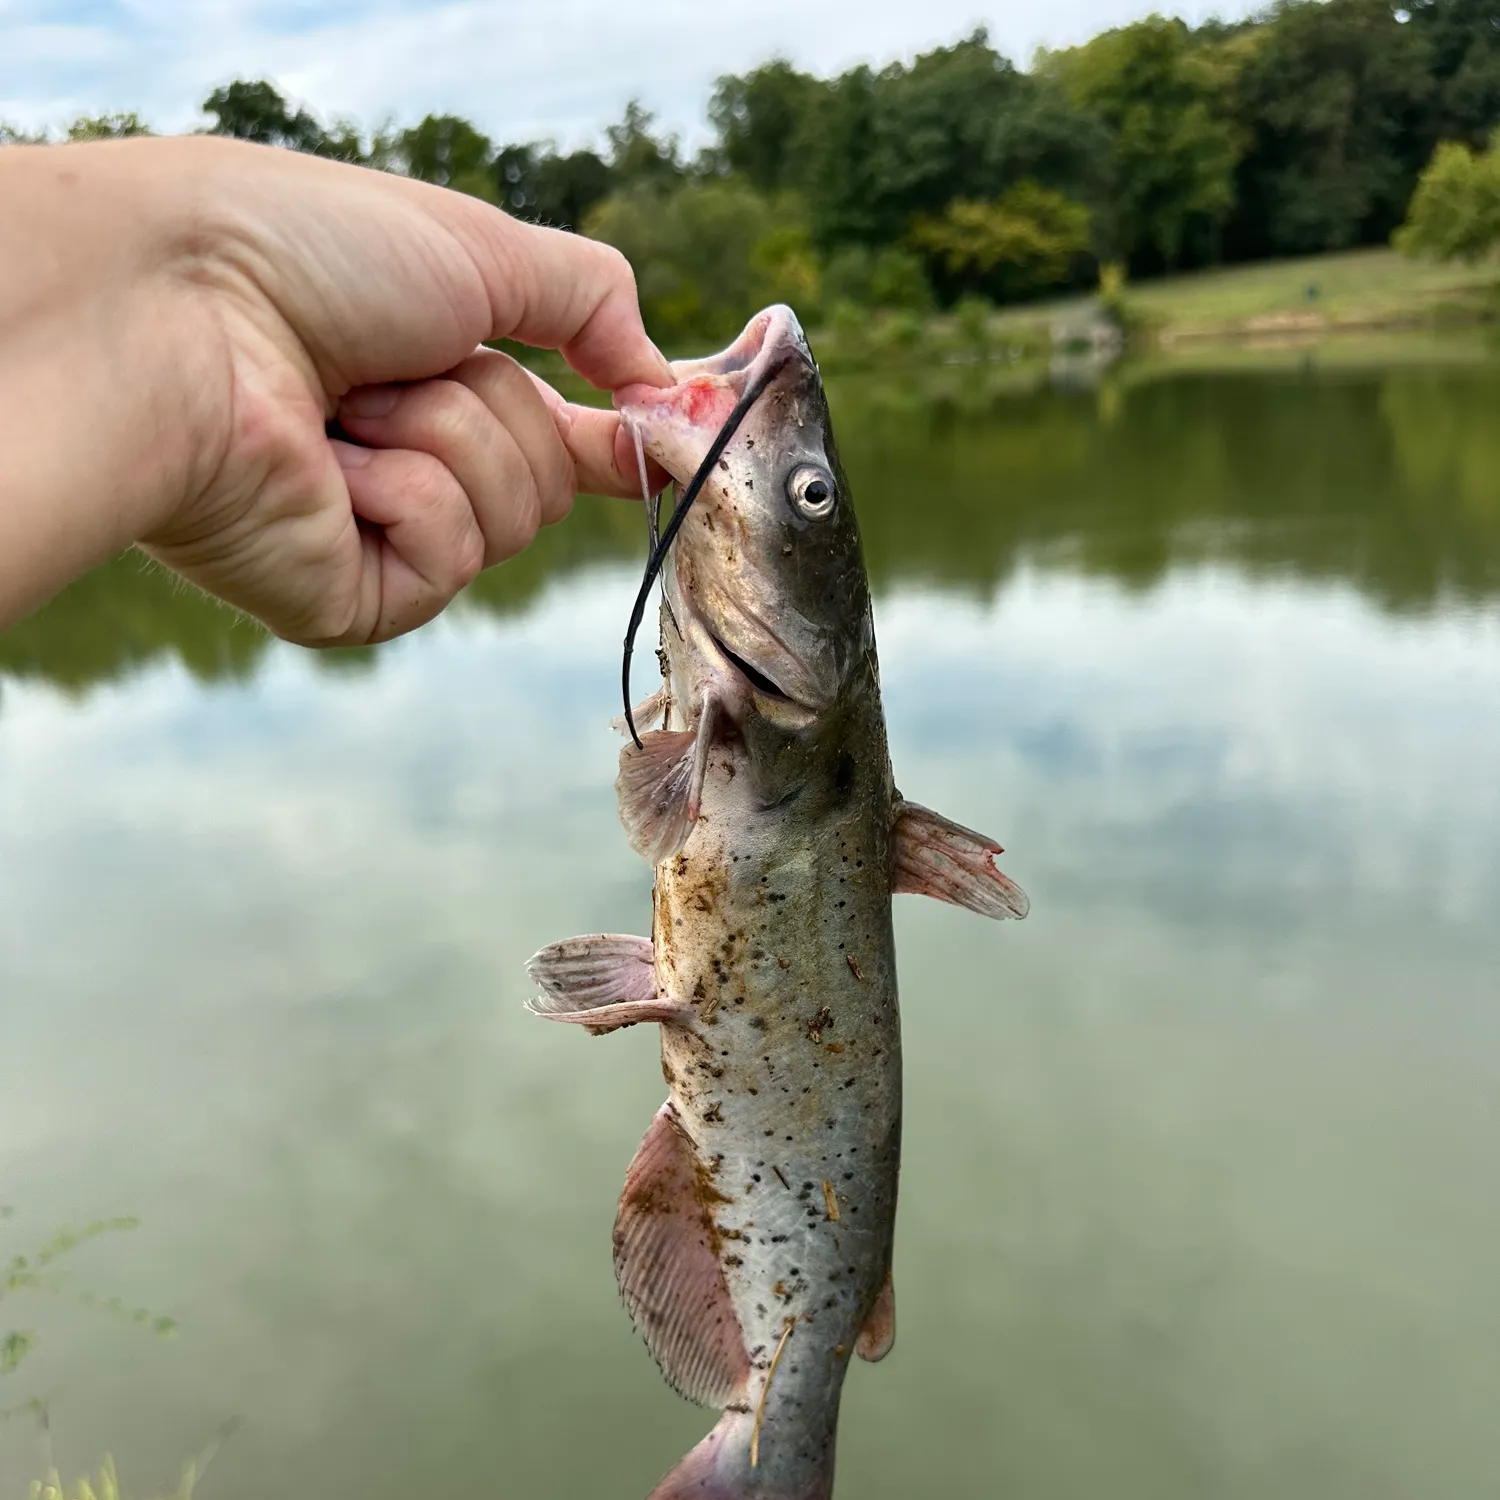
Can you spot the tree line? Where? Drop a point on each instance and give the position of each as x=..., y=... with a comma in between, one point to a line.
x=1154, y=147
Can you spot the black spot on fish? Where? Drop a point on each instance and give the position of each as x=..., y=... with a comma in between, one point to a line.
x=843, y=775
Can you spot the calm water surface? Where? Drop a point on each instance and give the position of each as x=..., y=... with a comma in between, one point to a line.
x=1202, y=1184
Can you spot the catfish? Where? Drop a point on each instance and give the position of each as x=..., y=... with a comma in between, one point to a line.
x=754, y=1235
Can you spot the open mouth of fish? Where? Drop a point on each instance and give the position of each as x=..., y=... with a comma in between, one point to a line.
x=753, y=675
x=683, y=419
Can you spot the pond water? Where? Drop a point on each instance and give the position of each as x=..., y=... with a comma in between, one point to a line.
x=1202, y=1179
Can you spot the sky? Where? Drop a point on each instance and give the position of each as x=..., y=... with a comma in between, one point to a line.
x=520, y=69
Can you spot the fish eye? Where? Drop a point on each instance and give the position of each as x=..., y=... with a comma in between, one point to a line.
x=811, y=490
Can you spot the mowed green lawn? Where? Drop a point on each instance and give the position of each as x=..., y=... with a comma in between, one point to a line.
x=1354, y=286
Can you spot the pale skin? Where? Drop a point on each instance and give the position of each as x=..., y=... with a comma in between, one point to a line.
x=180, y=322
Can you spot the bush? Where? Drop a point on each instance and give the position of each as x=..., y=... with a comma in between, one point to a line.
x=891, y=278
x=1025, y=241
x=1455, y=211
x=708, y=254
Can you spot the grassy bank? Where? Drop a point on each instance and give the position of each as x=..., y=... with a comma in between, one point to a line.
x=1363, y=290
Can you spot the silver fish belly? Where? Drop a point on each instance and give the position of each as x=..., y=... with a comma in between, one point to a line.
x=754, y=1234
x=777, y=924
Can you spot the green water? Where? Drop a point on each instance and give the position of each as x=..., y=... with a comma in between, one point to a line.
x=1202, y=1182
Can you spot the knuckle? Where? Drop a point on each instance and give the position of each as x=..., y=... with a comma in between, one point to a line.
x=523, y=518
x=528, y=508
x=556, y=486
x=430, y=487
x=449, y=418
x=615, y=269
x=468, y=558
x=562, y=510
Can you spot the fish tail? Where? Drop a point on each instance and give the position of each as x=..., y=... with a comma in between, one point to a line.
x=719, y=1468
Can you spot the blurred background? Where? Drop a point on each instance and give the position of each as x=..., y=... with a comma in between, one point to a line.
x=1180, y=491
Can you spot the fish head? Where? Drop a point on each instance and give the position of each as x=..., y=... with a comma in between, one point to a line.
x=766, y=578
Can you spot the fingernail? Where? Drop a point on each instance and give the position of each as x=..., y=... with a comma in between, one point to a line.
x=370, y=401
x=350, y=455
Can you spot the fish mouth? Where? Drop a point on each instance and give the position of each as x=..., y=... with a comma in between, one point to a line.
x=771, y=336
x=787, y=666
x=753, y=675
x=680, y=421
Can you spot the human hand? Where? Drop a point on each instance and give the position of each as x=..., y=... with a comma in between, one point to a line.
x=322, y=291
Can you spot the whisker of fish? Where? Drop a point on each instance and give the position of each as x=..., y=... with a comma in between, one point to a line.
x=650, y=501
x=751, y=393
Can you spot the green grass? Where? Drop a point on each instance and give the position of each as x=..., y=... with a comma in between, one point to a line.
x=106, y=1484
x=1355, y=289
x=1366, y=287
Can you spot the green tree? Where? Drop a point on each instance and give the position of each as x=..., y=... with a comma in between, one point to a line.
x=1173, y=146
x=761, y=123
x=536, y=183
x=1455, y=211
x=637, y=154
x=254, y=110
x=1043, y=136
x=1335, y=103
x=890, y=278
x=449, y=151
x=343, y=141
x=882, y=149
x=107, y=127
x=706, y=254
x=870, y=151
x=1463, y=39
x=1024, y=241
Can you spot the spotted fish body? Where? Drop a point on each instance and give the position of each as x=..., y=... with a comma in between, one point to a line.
x=753, y=1242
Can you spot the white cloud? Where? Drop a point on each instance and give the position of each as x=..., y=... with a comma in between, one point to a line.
x=552, y=67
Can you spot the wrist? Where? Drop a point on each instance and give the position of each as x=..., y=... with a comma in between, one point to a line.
x=111, y=396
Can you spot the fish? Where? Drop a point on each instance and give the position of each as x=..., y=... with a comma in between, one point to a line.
x=753, y=1240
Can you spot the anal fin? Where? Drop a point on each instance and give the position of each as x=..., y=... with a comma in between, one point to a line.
x=602, y=982
x=879, y=1332
x=668, y=1267
x=937, y=858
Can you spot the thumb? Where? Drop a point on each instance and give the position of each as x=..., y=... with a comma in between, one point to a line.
x=605, y=456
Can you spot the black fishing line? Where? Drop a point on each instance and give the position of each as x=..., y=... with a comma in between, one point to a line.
x=658, y=556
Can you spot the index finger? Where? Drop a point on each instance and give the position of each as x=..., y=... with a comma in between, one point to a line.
x=558, y=290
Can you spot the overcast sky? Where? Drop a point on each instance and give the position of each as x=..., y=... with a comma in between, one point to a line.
x=518, y=68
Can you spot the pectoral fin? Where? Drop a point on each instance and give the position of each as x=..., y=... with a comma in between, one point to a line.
x=601, y=982
x=937, y=858
x=660, y=785
x=668, y=1268
x=645, y=713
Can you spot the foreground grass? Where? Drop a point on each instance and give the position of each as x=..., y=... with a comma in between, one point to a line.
x=105, y=1485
